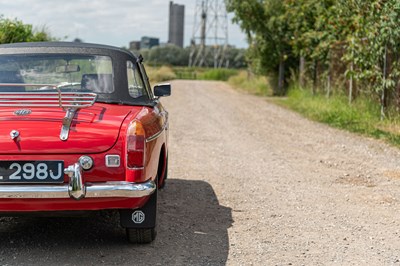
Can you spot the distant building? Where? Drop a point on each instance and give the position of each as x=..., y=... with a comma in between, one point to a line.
x=148, y=42
x=135, y=45
x=176, y=24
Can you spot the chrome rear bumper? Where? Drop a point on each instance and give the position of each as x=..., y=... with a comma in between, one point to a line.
x=97, y=190
x=76, y=189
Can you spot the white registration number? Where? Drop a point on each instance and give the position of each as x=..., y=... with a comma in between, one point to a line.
x=32, y=171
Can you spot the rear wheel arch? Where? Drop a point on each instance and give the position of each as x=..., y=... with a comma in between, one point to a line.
x=162, y=170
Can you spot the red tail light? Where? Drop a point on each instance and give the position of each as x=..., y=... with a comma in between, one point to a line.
x=136, y=145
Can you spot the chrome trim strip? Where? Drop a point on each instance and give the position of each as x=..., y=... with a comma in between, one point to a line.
x=155, y=136
x=93, y=190
x=122, y=189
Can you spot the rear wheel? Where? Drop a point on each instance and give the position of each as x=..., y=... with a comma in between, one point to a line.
x=141, y=235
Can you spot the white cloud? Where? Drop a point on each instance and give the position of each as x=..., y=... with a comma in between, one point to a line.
x=114, y=22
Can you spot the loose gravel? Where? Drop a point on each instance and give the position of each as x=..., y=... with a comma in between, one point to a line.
x=250, y=183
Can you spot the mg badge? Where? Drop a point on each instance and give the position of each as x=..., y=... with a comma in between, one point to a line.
x=22, y=112
x=138, y=217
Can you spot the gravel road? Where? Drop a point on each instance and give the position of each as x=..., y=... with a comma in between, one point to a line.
x=250, y=183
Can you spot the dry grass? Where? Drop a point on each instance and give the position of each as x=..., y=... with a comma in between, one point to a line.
x=160, y=74
x=257, y=85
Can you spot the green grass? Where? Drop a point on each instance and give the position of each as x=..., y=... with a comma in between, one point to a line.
x=362, y=116
x=221, y=74
x=185, y=73
x=198, y=73
x=163, y=73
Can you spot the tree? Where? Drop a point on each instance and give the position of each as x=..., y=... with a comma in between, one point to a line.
x=12, y=31
x=381, y=38
x=177, y=56
x=251, y=18
x=269, y=36
x=311, y=39
x=361, y=36
x=165, y=55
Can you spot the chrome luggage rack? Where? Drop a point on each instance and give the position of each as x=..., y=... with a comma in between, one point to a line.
x=68, y=101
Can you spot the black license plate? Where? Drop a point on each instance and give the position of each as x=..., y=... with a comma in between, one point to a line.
x=31, y=171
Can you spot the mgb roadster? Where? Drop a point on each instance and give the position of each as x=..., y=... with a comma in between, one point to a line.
x=81, y=130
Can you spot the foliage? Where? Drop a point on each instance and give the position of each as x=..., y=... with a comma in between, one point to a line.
x=376, y=30
x=175, y=56
x=311, y=34
x=235, y=58
x=266, y=31
x=269, y=35
x=362, y=36
x=12, y=31
x=166, y=55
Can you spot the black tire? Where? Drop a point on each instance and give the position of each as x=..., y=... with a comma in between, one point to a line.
x=141, y=235
x=162, y=184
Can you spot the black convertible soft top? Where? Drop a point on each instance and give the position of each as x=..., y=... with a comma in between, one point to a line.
x=118, y=56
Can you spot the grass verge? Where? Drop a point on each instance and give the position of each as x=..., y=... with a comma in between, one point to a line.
x=163, y=73
x=221, y=74
x=160, y=74
x=362, y=116
x=257, y=85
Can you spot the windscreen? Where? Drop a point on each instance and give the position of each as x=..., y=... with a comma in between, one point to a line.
x=30, y=73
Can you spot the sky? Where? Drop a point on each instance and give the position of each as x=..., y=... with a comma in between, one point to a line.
x=111, y=22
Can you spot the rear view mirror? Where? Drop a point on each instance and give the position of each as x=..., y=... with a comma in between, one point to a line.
x=68, y=69
x=162, y=90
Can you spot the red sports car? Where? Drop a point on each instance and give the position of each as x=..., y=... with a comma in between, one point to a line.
x=81, y=130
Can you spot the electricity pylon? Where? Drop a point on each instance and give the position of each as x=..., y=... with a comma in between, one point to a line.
x=210, y=34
